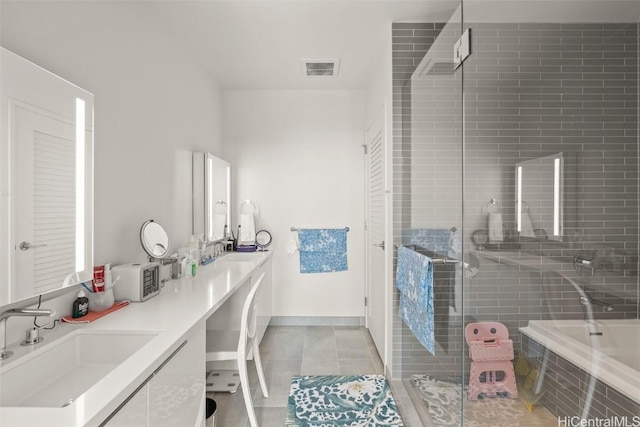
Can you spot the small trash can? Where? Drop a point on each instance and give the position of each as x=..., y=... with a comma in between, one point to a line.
x=210, y=410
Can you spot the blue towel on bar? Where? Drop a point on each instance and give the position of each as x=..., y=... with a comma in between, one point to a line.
x=323, y=250
x=414, y=277
x=434, y=239
x=414, y=280
x=419, y=321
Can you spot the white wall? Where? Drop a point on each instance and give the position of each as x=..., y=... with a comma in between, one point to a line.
x=379, y=88
x=154, y=105
x=298, y=156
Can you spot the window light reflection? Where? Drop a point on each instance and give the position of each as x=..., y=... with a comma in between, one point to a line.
x=80, y=183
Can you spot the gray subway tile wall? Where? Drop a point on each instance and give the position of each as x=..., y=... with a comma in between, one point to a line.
x=566, y=388
x=416, y=38
x=574, y=91
x=530, y=90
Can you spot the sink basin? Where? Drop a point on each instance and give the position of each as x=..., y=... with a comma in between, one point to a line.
x=60, y=372
x=249, y=257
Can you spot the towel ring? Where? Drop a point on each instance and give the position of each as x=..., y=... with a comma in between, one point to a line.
x=493, y=206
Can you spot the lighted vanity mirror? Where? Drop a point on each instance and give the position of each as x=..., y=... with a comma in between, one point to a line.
x=539, y=197
x=46, y=181
x=211, y=197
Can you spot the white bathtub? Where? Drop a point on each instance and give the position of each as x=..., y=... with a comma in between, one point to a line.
x=608, y=349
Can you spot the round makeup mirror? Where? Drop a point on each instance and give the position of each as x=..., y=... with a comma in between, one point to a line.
x=154, y=239
x=263, y=240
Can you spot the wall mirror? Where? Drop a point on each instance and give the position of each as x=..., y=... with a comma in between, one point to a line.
x=46, y=181
x=211, y=197
x=539, y=197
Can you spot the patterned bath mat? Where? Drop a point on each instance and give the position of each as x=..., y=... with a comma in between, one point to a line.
x=443, y=398
x=330, y=400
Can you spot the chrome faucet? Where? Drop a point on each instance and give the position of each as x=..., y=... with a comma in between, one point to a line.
x=218, y=249
x=590, y=301
x=4, y=354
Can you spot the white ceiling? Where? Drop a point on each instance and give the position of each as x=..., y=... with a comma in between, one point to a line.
x=258, y=44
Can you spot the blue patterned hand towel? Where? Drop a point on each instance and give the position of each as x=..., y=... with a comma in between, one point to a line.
x=323, y=250
x=420, y=322
x=414, y=280
x=414, y=276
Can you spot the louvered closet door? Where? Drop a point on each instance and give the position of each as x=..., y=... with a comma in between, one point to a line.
x=376, y=219
x=45, y=198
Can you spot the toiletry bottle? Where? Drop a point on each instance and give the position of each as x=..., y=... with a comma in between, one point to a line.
x=183, y=256
x=194, y=250
x=80, y=306
x=186, y=266
x=194, y=257
x=98, y=278
x=193, y=243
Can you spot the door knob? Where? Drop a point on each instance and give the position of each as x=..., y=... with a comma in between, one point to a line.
x=380, y=245
x=24, y=246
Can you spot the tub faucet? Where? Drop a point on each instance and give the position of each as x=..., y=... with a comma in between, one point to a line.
x=590, y=301
x=4, y=354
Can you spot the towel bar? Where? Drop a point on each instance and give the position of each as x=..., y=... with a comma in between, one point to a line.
x=434, y=260
x=444, y=261
x=296, y=229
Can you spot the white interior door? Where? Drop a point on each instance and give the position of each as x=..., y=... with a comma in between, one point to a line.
x=376, y=225
x=45, y=200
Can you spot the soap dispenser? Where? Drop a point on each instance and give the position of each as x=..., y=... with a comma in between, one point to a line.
x=80, y=306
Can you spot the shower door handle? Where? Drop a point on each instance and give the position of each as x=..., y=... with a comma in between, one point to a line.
x=380, y=245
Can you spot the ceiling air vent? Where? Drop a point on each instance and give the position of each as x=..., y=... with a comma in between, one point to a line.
x=320, y=67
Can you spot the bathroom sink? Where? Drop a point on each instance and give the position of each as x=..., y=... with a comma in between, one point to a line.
x=59, y=372
x=249, y=257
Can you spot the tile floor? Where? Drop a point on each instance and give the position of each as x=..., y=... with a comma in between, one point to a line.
x=297, y=350
x=316, y=350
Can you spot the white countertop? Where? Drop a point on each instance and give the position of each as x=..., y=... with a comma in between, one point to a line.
x=181, y=305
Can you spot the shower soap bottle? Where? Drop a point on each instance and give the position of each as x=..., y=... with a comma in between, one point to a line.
x=80, y=306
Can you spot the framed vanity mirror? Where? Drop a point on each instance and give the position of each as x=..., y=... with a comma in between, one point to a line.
x=540, y=197
x=46, y=181
x=211, y=197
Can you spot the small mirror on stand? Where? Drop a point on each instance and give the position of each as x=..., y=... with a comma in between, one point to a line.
x=154, y=239
x=155, y=242
x=263, y=240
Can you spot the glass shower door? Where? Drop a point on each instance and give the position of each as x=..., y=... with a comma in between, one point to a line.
x=428, y=208
x=550, y=159
x=518, y=173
